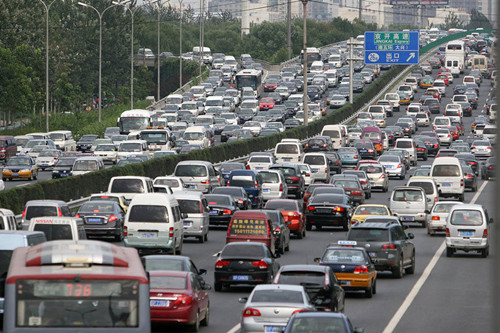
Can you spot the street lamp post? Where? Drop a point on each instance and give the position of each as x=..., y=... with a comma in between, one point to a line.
x=180, y=44
x=47, y=9
x=100, y=15
x=158, y=3
x=304, y=61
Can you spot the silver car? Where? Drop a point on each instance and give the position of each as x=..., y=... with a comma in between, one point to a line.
x=444, y=136
x=270, y=306
x=377, y=175
x=273, y=185
x=393, y=165
x=436, y=220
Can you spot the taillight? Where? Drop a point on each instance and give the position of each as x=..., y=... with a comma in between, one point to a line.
x=399, y=166
x=125, y=231
x=77, y=216
x=356, y=192
x=24, y=212
x=389, y=246
x=248, y=167
x=206, y=182
x=356, y=157
x=59, y=212
x=311, y=208
x=370, y=150
x=447, y=232
x=183, y=300
x=281, y=187
x=436, y=218
x=112, y=218
x=469, y=176
x=361, y=269
x=299, y=310
x=250, y=312
x=221, y=263
x=295, y=179
x=382, y=176
x=488, y=148
x=485, y=233
x=339, y=209
x=227, y=211
x=171, y=232
x=261, y=264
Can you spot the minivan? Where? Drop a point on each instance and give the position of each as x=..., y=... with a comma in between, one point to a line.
x=319, y=166
x=56, y=227
x=37, y=208
x=198, y=175
x=195, y=207
x=288, y=152
x=449, y=177
x=467, y=230
x=154, y=223
x=374, y=134
x=85, y=164
x=429, y=186
x=64, y=140
x=8, y=147
x=409, y=146
x=251, y=182
x=132, y=147
x=7, y=220
x=409, y=203
x=273, y=185
x=337, y=133
x=251, y=226
x=129, y=186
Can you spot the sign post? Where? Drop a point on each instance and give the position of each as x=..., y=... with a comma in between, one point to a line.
x=392, y=47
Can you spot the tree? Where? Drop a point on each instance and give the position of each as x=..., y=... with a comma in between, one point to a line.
x=478, y=20
x=452, y=21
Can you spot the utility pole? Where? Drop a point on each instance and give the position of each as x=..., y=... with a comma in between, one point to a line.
x=351, y=60
x=289, y=27
x=305, y=98
x=360, y=16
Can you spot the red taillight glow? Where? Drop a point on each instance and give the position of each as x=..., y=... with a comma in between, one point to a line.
x=311, y=208
x=361, y=269
x=221, y=264
x=171, y=232
x=299, y=310
x=77, y=216
x=261, y=264
x=125, y=231
x=435, y=218
x=183, y=300
x=295, y=179
x=339, y=209
x=59, y=212
x=227, y=211
x=447, y=232
x=389, y=246
x=485, y=233
x=249, y=312
x=112, y=218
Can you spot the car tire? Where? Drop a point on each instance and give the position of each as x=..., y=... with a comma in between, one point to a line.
x=206, y=320
x=402, y=177
x=375, y=286
x=411, y=269
x=299, y=235
x=449, y=252
x=369, y=291
x=217, y=286
x=201, y=239
x=318, y=227
x=345, y=225
x=485, y=253
x=385, y=189
x=35, y=176
x=308, y=227
x=287, y=247
x=425, y=158
x=461, y=197
x=397, y=272
x=195, y=327
x=206, y=237
x=281, y=250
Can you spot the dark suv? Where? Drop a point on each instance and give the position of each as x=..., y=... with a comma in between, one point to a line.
x=318, y=143
x=293, y=178
x=313, y=278
x=433, y=104
x=387, y=244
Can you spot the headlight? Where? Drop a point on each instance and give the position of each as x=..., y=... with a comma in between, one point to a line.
x=6, y=170
x=25, y=170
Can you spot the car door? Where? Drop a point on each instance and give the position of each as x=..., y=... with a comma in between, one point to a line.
x=206, y=218
x=399, y=238
x=338, y=290
x=199, y=294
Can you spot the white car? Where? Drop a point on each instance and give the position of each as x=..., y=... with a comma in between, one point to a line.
x=254, y=126
x=47, y=158
x=379, y=119
x=394, y=166
x=175, y=183
x=394, y=99
x=107, y=152
x=436, y=220
x=481, y=148
x=306, y=173
x=444, y=136
x=259, y=162
x=337, y=101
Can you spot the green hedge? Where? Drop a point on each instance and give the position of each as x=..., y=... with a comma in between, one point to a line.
x=71, y=188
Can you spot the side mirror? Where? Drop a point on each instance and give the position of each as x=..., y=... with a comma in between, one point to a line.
x=317, y=260
x=410, y=235
x=491, y=220
x=427, y=211
x=243, y=299
x=202, y=272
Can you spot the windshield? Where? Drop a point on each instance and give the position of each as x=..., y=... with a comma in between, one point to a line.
x=444, y=170
x=85, y=165
x=105, y=148
x=344, y=256
x=18, y=162
x=148, y=213
x=128, y=124
x=368, y=235
x=158, y=138
x=130, y=147
x=192, y=136
x=281, y=205
x=56, y=136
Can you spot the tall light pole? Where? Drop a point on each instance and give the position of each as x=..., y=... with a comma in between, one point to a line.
x=100, y=14
x=180, y=44
x=304, y=60
x=132, y=13
x=158, y=3
x=47, y=9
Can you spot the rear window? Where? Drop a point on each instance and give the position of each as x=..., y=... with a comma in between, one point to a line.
x=242, y=180
x=93, y=207
x=127, y=186
x=407, y=195
x=168, y=182
x=314, y=160
x=190, y=206
x=443, y=208
x=371, y=210
x=259, y=159
x=167, y=282
x=278, y=296
x=281, y=205
x=371, y=169
x=427, y=186
x=287, y=149
x=344, y=256
x=368, y=235
x=191, y=171
x=269, y=177
x=331, y=133
x=302, y=278
x=446, y=171
x=248, y=226
x=346, y=183
x=241, y=252
x=153, y=264
x=218, y=200
x=466, y=217
x=55, y=231
x=37, y=211
x=404, y=144
x=148, y=213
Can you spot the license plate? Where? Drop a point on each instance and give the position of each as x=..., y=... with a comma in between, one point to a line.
x=315, y=170
x=191, y=186
x=372, y=184
x=15, y=174
x=466, y=233
x=407, y=218
x=323, y=210
x=188, y=224
x=315, y=147
x=83, y=147
x=446, y=184
x=287, y=159
x=240, y=277
x=266, y=190
x=94, y=220
x=159, y=303
x=148, y=235
x=345, y=283
x=372, y=254
x=388, y=166
x=213, y=212
x=64, y=175
x=363, y=150
x=274, y=329
x=259, y=168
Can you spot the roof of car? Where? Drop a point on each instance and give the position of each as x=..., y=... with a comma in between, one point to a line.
x=374, y=225
x=313, y=268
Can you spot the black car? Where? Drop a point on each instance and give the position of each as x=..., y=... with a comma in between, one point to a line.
x=488, y=168
x=85, y=143
x=222, y=208
x=293, y=177
x=318, y=144
x=244, y=115
x=334, y=162
x=160, y=262
x=244, y=263
x=280, y=230
x=431, y=143
x=291, y=107
x=466, y=108
x=229, y=131
x=406, y=127
x=459, y=90
x=102, y=218
x=291, y=123
x=422, y=150
x=63, y=167
x=470, y=160
x=328, y=210
x=388, y=246
x=240, y=196
x=314, y=93
x=326, y=296
x=433, y=104
x=397, y=132
x=470, y=178
x=472, y=97
x=366, y=150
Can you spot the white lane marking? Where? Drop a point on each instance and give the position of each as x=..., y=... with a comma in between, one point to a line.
x=234, y=329
x=427, y=271
x=21, y=185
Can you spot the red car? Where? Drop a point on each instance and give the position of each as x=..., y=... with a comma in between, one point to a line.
x=293, y=214
x=178, y=297
x=434, y=93
x=454, y=132
x=267, y=103
x=443, y=77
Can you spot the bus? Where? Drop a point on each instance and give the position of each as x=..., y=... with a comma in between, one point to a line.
x=454, y=57
x=313, y=55
x=249, y=78
x=134, y=121
x=76, y=286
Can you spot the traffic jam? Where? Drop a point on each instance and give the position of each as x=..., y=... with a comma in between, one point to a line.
x=326, y=234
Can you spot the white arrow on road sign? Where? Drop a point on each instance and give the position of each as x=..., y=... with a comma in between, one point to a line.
x=412, y=55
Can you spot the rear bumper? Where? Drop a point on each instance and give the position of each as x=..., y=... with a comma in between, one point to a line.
x=461, y=243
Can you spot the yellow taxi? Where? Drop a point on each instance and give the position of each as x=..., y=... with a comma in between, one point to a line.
x=21, y=166
x=363, y=211
x=352, y=266
x=119, y=198
x=404, y=98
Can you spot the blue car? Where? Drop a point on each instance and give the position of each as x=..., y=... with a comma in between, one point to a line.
x=251, y=182
x=226, y=168
x=349, y=155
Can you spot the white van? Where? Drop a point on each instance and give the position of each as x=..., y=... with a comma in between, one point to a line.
x=132, y=147
x=154, y=222
x=441, y=122
x=129, y=186
x=64, y=140
x=316, y=67
x=467, y=230
x=196, y=220
x=197, y=135
x=336, y=60
x=490, y=132
x=337, y=133
x=319, y=166
x=408, y=145
x=176, y=99
x=86, y=164
x=493, y=113
x=214, y=103
x=59, y=227
x=455, y=65
x=409, y=204
x=288, y=152
x=412, y=81
x=449, y=177
x=198, y=175
x=231, y=61
x=7, y=220
x=429, y=186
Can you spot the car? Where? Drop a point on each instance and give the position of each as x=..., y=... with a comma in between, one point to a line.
x=280, y=231
x=363, y=180
x=363, y=211
x=351, y=186
x=482, y=148
x=221, y=209
x=293, y=214
x=47, y=158
x=20, y=167
x=366, y=149
x=393, y=165
x=103, y=218
x=320, y=322
x=328, y=210
x=352, y=266
x=318, y=144
x=178, y=297
x=488, y=168
x=269, y=307
x=376, y=174
x=240, y=196
x=63, y=167
x=470, y=178
x=348, y=156
x=293, y=177
x=389, y=247
x=319, y=282
x=237, y=263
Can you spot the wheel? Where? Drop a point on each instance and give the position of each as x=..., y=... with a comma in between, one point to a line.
x=449, y=252
x=461, y=197
x=119, y=237
x=299, y=235
x=424, y=223
x=308, y=227
x=287, y=247
x=217, y=286
x=397, y=272
x=369, y=291
x=375, y=287
x=201, y=239
x=179, y=249
x=485, y=252
x=35, y=176
x=281, y=250
x=206, y=320
x=304, y=232
x=345, y=226
x=195, y=327
x=411, y=269
x=318, y=227
x=402, y=177
x=474, y=189
x=385, y=189
x=425, y=158
x=206, y=237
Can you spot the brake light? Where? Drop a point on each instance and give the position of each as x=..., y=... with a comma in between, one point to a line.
x=485, y=233
x=248, y=167
x=261, y=264
x=382, y=176
x=435, y=218
x=339, y=209
x=447, y=232
x=206, y=182
x=250, y=312
x=469, y=176
x=389, y=246
x=24, y=212
x=77, y=216
x=370, y=150
x=295, y=179
x=227, y=211
x=183, y=300
x=299, y=310
x=221, y=264
x=281, y=187
x=361, y=269
x=356, y=157
x=311, y=208
x=356, y=192
x=125, y=231
x=59, y=213
x=171, y=232
x=488, y=148
x=399, y=166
